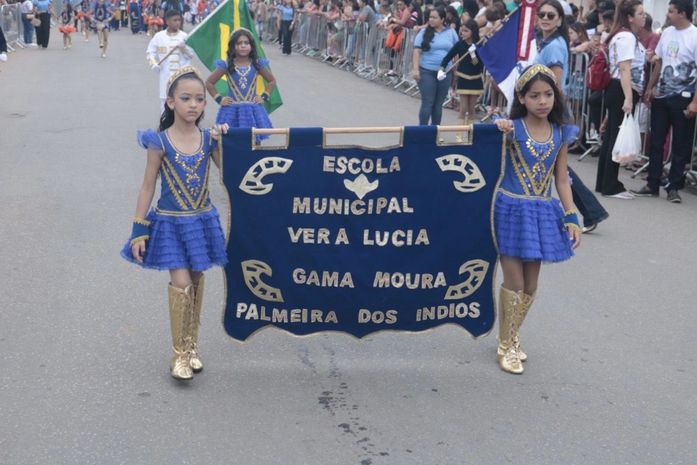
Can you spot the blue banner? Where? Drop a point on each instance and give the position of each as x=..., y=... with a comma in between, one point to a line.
x=359, y=240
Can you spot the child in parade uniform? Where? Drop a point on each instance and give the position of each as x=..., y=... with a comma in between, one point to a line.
x=83, y=15
x=182, y=233
x=135, y=16
x=531, y=226
x=66, y=27
x=102, y=16
x=242, y=107
x=470, y=70
x=173, y=40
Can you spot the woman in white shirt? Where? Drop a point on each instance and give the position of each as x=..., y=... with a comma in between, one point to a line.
x=626, y=57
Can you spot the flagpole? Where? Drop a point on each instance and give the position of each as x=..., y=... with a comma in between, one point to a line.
x=484, y=39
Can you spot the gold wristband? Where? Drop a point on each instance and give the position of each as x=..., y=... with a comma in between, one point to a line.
x=138, y=239
x=142, y=221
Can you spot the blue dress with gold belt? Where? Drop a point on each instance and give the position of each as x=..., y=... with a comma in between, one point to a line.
x=185, y=229
x=528, y=220
x=242, y=88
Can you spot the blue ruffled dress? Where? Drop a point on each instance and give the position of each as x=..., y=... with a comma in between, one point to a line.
x=528, y=220
x=242, y=86
x=185, y=228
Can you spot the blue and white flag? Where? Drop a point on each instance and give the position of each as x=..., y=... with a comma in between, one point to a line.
x=511, y=48
x=360, y=240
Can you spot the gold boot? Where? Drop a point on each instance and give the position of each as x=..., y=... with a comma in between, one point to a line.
x=180, y=304
x=459, y=137
x=506, y=353
x=194, y=359
x=527, y=301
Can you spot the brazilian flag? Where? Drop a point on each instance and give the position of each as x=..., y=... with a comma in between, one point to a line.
x=209, y=40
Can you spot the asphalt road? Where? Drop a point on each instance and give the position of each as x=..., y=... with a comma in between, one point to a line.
x=84, y=336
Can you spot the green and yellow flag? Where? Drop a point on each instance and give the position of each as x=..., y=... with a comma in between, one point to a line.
x=209, y=40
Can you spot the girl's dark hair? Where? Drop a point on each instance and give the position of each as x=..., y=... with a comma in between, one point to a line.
x=648, y=25
x=455, y=17
x=563, y=29
x=471, y=7
x=167, y=117
x=623, y=11
x=472, y=25
x=231, y=50
x=430, y=31
x=556, y=116
x=580, y=30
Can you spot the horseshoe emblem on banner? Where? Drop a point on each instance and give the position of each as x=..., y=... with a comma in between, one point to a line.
x=251, y=183
x=252, y=271
x=476, y=271
x=473, y=179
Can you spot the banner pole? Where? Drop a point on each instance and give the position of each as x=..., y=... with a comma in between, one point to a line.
x=376, y=130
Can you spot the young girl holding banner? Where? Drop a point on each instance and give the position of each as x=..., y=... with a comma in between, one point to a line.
x=531, y=226
x=182, y=234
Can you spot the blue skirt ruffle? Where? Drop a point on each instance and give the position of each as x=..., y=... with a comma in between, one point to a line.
x=531, y=229
x=193, y=242
x=244, y=115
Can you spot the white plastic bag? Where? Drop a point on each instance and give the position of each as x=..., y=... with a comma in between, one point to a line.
x=628, y=144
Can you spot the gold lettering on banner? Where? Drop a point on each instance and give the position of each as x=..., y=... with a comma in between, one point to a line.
x=331, y=206
x=322, y=278
x=317, y=236
x=250, y=311
x=398, y=238
x=473, y=178
x=397, y=280
x=377, y=316
x=355, y=166
x=440, y=312
x=251, y=183
x=252, y=271
x=476, y=272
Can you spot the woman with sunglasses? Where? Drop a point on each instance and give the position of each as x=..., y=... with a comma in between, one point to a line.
x=553, y=52
x=553, y=40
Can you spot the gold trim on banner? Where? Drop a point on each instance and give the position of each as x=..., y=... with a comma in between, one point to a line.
x=228, y=225
x=269, y=132
x=493, y=232
x=385, y=130
x=467, y=132
x=344, y=333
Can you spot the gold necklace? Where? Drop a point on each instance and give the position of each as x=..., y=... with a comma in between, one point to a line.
x=243, y=75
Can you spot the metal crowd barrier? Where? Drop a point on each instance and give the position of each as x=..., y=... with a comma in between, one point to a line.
x=353, y=46
x=357, y=47
x=11, y=21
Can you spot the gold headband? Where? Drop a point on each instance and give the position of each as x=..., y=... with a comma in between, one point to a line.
x=180, y=72
x=241, y=29
x=530, y=73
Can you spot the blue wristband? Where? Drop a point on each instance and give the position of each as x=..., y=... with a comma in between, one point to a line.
x=571, y=220
x=140, y=231
x=218, y=98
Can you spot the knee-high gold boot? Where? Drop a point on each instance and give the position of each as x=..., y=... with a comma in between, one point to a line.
x=506, y=353
x=525, y=305
x=459, y=137
x=194, y=358
x=180, y=303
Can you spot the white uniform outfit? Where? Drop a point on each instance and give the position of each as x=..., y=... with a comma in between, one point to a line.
x=160, y=45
